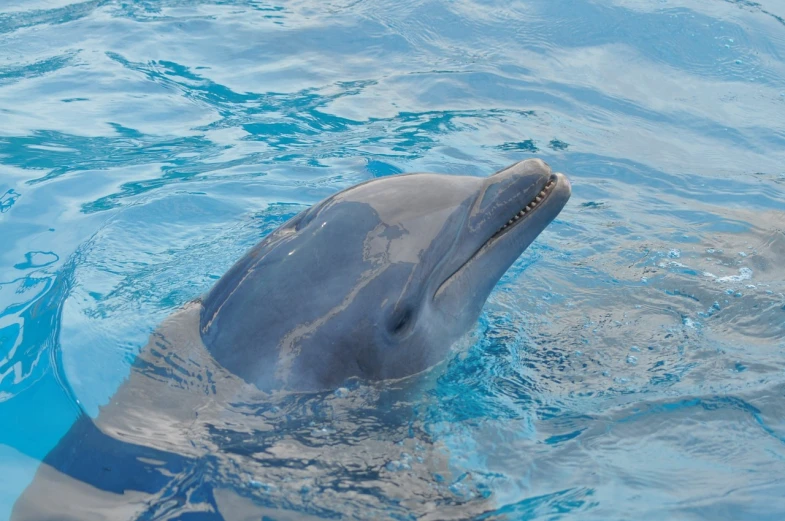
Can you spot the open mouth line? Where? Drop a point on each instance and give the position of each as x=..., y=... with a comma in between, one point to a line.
x=534, y=203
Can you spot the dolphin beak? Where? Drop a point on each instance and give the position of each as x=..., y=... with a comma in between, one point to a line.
x=514, y=194
x=512, y=208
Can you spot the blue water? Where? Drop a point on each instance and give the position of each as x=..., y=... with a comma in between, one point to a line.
x=630, y=366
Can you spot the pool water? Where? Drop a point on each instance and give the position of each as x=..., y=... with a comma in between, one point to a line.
x=630, y=365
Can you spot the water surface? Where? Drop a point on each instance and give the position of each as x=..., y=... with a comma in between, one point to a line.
x=630, y=366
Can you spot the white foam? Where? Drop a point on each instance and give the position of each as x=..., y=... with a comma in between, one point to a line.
x=744, y=274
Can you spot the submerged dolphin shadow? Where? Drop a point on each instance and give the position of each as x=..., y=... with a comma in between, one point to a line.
x=375, y=283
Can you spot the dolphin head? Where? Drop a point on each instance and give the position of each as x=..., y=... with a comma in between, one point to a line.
x=376, y=281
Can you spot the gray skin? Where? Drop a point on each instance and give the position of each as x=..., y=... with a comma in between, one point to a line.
x=377, y=281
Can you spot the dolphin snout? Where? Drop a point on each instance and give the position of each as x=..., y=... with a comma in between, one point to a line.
x=529, y=167
x=563, y=186
x=507, y=192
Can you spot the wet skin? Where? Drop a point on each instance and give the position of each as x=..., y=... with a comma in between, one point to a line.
x=376, y=282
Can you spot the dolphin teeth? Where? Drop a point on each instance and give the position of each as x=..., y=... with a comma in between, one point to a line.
x=529, y=207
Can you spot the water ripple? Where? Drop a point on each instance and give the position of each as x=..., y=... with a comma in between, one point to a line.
x=630, y=364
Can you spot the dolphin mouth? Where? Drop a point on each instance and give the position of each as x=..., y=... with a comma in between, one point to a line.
x=536, y=202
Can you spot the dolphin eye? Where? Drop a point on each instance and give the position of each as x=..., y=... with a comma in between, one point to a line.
x=400, y=321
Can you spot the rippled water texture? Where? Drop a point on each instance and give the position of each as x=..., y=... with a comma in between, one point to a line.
x=630, y=366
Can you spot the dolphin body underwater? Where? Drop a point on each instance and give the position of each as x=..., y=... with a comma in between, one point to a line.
x=376, y=282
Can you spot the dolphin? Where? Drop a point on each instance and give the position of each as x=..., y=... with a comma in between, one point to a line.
x=374, y=283
x=377, y=281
